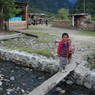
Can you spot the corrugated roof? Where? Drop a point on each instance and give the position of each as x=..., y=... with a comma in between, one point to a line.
x=82, y=14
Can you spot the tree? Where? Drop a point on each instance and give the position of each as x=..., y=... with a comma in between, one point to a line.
x=63, y=13
x=89, y=7
x=7, y=9
x=49, y=5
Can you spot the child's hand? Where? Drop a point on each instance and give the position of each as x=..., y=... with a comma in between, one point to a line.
x=54, y=42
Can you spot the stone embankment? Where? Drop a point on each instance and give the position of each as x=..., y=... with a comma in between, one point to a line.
x=34, y=61
x=82, y=74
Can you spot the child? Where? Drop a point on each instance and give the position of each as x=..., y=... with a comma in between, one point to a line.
x=64, y=50
x=71, y=50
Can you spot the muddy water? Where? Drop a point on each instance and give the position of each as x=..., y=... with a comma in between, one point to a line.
x=71, y=90
x=15, y=80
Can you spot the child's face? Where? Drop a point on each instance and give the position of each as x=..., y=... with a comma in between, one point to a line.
x=65, y=37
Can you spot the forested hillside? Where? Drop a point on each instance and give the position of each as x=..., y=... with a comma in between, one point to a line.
x=89, y=6
x=49, y=5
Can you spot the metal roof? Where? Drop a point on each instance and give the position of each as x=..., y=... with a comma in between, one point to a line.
x=79, y=14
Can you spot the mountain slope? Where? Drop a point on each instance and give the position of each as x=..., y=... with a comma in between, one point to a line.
x=49, y=5
x=89, y=6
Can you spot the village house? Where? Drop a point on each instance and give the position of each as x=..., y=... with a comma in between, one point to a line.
x=83, y=21
x=79, y=19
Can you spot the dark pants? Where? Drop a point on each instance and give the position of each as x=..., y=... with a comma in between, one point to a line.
x=63, y=62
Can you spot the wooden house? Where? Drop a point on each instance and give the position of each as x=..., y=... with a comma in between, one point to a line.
x=79, y=19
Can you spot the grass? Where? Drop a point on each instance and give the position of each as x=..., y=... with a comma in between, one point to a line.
x=12, y=32
x=40, y=34
x=24, y=46
x=36, y=28
x=43, y=41
x=11, y=42
x=43, y=52
x=87, y=33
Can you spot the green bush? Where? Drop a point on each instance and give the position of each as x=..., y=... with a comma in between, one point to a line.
x=63, y=13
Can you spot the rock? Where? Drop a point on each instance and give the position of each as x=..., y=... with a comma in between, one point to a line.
x=1, y=83
x=60, y=90
x=69, y=82
x=9, y=91
x=22, y=91
x=18, y=88
x=27, y=69
x=12, y=78
x=40, y=78
x=12, y=71
x=1, y=89
x=93, y=70
x=1, y=77
x=88, y=85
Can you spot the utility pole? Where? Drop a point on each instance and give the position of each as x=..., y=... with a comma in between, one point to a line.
x=27, y=12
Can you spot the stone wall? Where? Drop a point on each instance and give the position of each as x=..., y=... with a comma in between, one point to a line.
x=87, y=26
x=83, y=76
x=62, y=23
x=34, y=61
x=84, y=25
